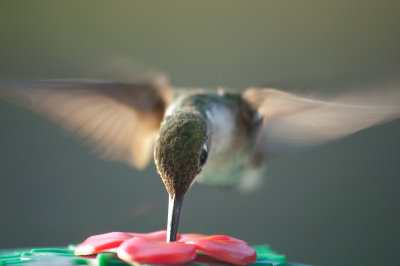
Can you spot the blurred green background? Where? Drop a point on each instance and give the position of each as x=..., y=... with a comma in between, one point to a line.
x=335, y=205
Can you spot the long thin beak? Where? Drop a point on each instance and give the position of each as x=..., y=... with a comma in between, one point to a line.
x=174, y=210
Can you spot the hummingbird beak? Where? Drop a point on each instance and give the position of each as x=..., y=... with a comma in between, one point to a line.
x=174, y=210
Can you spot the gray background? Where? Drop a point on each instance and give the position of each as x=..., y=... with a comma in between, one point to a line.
x=337, y=204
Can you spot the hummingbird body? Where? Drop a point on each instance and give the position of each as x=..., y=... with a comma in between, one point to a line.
x=218, y=138
x=230, y=135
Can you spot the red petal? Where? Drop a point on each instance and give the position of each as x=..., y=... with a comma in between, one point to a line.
x=189, y=237
x=98, y=243
x=157, y=235
x=226, y=248
x=142, y=250
x=223, y=237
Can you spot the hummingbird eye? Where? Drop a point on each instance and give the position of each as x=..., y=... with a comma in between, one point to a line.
x=203, y=157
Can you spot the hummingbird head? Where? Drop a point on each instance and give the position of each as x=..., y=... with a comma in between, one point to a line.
x=180, y=154
x=181, y=151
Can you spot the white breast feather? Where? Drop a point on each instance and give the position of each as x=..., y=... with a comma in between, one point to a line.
x=222, y=126
x=170, y=109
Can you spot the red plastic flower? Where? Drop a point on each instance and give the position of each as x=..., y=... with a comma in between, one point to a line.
x=152, y=248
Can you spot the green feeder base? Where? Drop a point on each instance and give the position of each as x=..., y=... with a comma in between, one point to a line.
x=65, y=257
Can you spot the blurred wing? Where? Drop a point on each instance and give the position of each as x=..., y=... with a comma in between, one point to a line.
x=290, y=122
x=121, y=120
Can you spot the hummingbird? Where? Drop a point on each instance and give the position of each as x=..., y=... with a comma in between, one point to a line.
x=218, y=137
